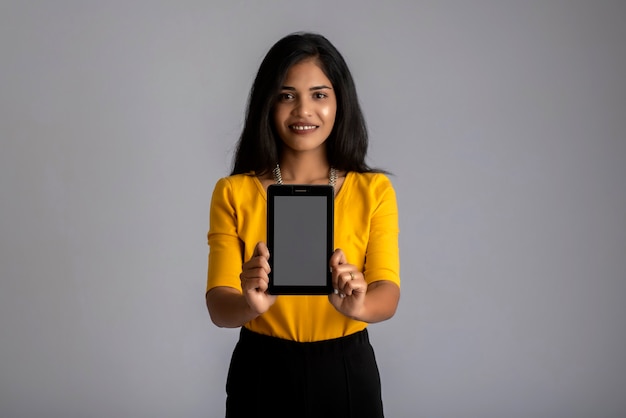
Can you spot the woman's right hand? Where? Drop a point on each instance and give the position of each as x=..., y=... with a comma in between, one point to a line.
x=255, y=280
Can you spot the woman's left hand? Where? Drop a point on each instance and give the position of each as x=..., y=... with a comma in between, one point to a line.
x=349, y=285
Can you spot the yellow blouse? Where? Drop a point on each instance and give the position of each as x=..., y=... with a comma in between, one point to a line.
x=366, y=229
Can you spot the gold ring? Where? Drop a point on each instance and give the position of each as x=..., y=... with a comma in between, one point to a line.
x=351, y=276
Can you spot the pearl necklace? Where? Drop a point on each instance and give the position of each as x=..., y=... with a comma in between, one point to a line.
x=332, y=175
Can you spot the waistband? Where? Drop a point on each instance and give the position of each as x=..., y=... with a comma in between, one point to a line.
x=260, y=340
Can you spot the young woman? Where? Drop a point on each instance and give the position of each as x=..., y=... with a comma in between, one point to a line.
x=303, y=356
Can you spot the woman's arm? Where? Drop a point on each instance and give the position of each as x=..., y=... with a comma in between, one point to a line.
x=228, y=307
x=381, y=301
x=356, y=299
x=375, y=298
x=231, y=308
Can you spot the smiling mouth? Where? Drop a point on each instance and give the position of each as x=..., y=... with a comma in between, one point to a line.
x=302, y=127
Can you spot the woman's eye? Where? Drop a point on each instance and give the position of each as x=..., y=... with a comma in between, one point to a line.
x=285, y=96
x=319, y=95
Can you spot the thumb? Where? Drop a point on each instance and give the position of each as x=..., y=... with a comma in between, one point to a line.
x=338, y=258
x=261, y=250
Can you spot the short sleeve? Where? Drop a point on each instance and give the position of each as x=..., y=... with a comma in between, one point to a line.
x=225, y=247
x=382, y=260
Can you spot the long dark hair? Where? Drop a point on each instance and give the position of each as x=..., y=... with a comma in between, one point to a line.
x=259, y=146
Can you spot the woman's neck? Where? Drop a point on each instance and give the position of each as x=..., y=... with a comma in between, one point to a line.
x=304, y=169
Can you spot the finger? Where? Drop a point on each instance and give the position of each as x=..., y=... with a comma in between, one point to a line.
x=344, y=279
x=256, y=267
x=336, y=299
x=341, y=273
x=337, y=271
x=259, y=284
x=260, y=258
x=351, y=281
x=253, y=272
x=352, y=286
x=337, y=258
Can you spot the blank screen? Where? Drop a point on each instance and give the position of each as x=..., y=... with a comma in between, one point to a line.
x=300, y=255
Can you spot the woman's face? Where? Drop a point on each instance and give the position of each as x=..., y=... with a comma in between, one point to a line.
x=304, y=114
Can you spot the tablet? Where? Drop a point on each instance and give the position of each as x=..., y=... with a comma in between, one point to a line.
x=300, y=238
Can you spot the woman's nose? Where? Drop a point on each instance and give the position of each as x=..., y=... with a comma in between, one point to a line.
x=302, y=108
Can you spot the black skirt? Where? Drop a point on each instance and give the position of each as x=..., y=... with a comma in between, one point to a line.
x=273, y=377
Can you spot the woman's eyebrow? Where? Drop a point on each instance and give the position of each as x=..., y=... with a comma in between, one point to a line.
x=322, y=87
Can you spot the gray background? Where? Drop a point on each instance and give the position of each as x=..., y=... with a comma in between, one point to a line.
x=503, y=121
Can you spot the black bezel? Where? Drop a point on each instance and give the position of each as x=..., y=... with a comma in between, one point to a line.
x=301, y=190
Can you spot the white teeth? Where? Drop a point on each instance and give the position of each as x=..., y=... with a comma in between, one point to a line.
x=302, y=128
